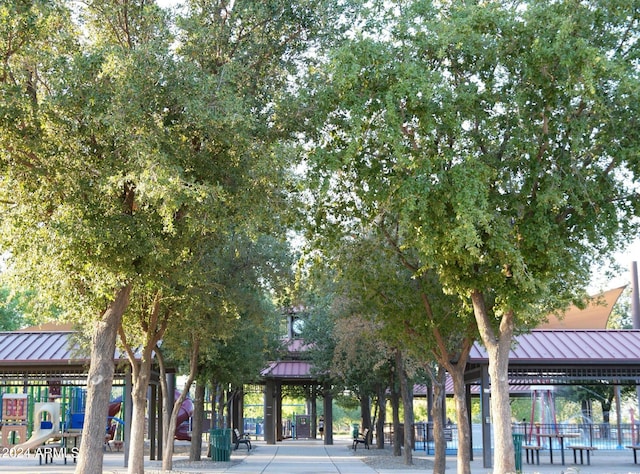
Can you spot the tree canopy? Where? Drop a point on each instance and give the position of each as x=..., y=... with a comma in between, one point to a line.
x=504, y=137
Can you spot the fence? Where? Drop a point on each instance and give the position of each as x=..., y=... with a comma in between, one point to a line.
x=601, y=435
x=604, y=436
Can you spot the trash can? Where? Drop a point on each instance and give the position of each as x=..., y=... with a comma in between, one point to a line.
x=355, y=430
x=220, y=440
x=518, y=438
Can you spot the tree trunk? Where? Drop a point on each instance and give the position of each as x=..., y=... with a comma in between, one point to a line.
x=139, y=399
x=221, y=395
x=165, y=398
x=154, y=328
x=438, y=414
x=99, y=381
x=462, y=419
x=407, y=402
x=498, y=347
x=382, y=415
x=167, y=455
x=365, y=412
x=195, y=451
x=395, y=406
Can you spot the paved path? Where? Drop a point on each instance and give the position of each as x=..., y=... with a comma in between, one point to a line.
x=312, y=457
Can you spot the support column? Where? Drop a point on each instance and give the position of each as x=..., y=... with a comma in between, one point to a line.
x=160, y=425
x=327, y=404
x=269, y=412
x=467, y=395
x=278, y=411
x=635, y=309
x=485, y=413
x=153, y=409
x=238, y=403
x=128, y=408
x=314, y=412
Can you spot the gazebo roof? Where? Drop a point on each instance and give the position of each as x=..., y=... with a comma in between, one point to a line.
x=289, y=371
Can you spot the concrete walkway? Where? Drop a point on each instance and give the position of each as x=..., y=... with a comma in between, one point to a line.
x=313, y=457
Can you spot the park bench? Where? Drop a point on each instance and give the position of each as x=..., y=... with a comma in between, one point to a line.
x=635, y=448
x=361, y=438
x=531, y=449
x=239, y=439
x=582, y=449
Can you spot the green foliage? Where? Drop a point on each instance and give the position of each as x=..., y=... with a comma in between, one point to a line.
x=500, y=137
x=11, y=311
x=621, y=317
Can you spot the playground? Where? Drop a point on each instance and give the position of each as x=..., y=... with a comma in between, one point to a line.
x=43, y=398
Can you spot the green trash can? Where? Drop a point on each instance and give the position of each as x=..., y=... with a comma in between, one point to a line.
x=220, y=440
x=355, y=430
x=518, y=438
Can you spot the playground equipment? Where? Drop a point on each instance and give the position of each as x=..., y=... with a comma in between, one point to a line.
x=182, y=423
x=75, y=412
x=543, y=400
x=14, y=417
x=43, y=429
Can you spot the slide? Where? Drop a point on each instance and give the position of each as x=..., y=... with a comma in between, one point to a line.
x=182, y=423
x=41, y=435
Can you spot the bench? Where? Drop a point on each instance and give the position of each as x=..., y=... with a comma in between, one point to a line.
x=239, y=439
x=361, y=438
x=635, y=448
x=582, y=449
x=532, y=449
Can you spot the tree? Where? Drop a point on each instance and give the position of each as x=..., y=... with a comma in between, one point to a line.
x=12, y=310
x=118, y=149
x=377, y=275
x=504, y=137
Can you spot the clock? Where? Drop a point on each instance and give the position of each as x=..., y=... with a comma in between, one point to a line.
x=298, y=326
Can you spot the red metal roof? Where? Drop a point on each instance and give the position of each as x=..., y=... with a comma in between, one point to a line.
x=289, y=369
x=571, y=346
x=38, y=347
x=29, y=350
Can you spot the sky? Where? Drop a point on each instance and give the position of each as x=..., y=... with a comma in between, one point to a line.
x=623, y=259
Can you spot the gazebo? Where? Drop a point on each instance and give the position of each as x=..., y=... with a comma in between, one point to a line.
x=572, y=350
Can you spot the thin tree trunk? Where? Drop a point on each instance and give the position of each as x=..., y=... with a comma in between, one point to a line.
x=365, y=413
x=99, y=382
x=498, y=347
x=195, y=452
x=167, y=457
x=165, y=399
x=382, y=415
x=438, y=414
x=457, y=370
x=154, y=329
x=395, y=406
x=139, y=398
x=462, y=419
x=407, y=402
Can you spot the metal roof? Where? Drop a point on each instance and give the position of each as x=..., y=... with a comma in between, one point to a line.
x=571, y=346
x=568, y=356
x=43, y=348
x=289, y=370
x=41, y=353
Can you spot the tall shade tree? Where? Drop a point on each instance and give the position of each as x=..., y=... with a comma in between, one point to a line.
x=504, y=136
x=123, y=148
